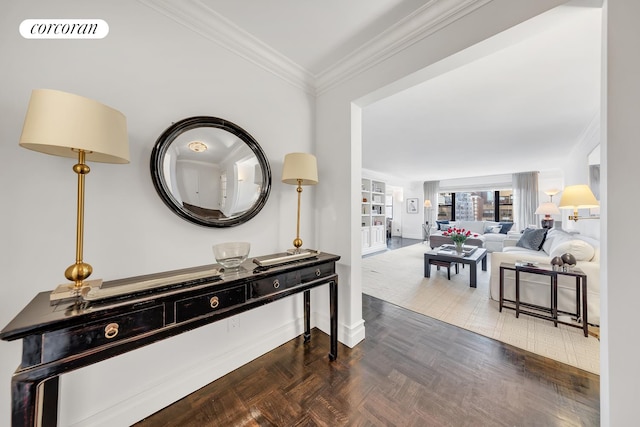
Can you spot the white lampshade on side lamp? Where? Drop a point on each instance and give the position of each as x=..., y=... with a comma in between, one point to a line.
x=547, y=209
x=578, y=197
x=67, y=125
x=299, y=169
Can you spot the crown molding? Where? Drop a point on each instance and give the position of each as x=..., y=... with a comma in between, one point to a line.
x=431, y=17
x=201, y=19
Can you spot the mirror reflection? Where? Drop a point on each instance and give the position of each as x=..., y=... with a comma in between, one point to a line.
x=210, y=171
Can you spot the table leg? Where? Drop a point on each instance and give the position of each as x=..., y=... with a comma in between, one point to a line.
x=307, y=315
x=34, y=404
x=484, y=262
x=333, y=312
x=501, y=288
x=427, y=266
x=473, y=274
x=578, y=299
x=585, y=323
x=554, y=299
x=517, y=293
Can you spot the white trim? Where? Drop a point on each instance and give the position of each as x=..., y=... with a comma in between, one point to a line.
x=431, y=17
x=197, y=17
x=349, y=335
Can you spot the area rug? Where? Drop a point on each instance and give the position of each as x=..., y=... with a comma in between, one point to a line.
x=397, y=277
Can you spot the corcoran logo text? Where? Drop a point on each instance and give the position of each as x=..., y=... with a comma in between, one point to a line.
x=64, y=29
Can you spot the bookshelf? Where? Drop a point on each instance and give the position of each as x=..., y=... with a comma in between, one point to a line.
x=374, y=233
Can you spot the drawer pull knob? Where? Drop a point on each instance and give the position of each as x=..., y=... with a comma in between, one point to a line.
x=318, y=272
x=215, y=302
x=276, y=283
x=111, y=330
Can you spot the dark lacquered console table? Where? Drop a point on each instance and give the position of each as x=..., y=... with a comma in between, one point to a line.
x=553, y=311
x=71, y=335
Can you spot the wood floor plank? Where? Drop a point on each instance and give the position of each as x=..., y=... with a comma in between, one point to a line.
x=411, y=370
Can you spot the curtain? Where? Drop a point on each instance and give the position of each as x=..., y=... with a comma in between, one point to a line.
x=525, y=199
x=431, y=193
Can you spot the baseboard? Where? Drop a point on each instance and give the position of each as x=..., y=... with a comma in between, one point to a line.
x=186, y=379
x=349, y=335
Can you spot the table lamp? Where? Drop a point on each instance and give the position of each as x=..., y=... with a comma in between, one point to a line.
x=547, y=209
x=299, y=169
x=67, y=125
x=578, y=197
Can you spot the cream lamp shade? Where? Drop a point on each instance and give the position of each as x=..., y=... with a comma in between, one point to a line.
x=427, y=203
x=548, y=208
x=300, y=168
x=578, y=197
x=61, y=123
x=67, y=125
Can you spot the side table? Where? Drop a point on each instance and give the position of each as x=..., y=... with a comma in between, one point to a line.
x=581, y=295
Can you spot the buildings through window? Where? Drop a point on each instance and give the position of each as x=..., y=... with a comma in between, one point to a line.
x=492, y=205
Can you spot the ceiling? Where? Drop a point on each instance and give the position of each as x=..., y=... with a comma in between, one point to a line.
x=522, y=107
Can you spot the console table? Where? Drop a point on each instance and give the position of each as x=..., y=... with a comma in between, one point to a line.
x=581, y=295
x=71, y=335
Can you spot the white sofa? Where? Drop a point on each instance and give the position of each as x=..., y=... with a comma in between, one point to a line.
x=489, y=233
x=535, y=288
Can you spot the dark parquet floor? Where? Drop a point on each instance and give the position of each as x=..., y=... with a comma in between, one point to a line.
x=410, y=370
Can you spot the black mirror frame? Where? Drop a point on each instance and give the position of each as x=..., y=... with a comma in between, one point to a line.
x=164, y=142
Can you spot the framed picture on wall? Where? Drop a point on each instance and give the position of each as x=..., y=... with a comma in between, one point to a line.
x=412, y=206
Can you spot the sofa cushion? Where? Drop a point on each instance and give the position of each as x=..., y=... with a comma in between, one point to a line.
x=489, y=225
x=506, y=226
x=472, y=226
x=532, y=238
x=580, y=249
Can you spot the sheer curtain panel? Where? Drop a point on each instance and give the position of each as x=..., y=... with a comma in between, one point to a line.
x=525, y=199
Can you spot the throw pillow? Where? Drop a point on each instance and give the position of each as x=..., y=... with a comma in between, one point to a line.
x=506, y=226
x=443, y=224
x=532, y=238
x=580, y=249
x=496, y=229
x=489, y=225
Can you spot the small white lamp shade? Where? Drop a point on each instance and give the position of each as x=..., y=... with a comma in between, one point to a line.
x=427, y=203
x=301, y=167
x=548, y=208
x=578, y=197
x=58, y=122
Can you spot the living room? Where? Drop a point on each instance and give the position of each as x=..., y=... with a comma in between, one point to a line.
x=157, y=70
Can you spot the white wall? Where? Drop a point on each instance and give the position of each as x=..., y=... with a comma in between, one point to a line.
x=339, y=142
x=619, y=154
x=156, y=72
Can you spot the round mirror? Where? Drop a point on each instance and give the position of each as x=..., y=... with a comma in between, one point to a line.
x=210, y=171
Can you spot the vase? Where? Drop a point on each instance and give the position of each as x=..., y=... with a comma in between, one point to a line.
x=459, y=248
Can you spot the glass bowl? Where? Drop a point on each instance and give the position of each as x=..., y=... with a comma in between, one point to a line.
x=231, y=255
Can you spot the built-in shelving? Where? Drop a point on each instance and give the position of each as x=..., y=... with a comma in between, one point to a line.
x=374, y=234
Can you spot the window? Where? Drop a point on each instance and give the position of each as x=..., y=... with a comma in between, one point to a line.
x=494, y=205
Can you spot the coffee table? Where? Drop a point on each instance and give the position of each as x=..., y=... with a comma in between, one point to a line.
x=445, y=253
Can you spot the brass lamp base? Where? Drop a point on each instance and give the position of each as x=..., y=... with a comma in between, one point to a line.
x=69, y=292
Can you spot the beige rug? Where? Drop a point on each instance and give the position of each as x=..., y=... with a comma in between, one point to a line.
x=397, y=277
